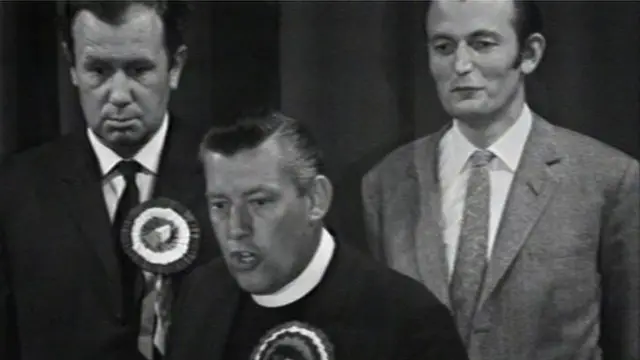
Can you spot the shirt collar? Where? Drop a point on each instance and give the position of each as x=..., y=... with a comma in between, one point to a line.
x=308, y=279
x=508, y=148
x=148, y=156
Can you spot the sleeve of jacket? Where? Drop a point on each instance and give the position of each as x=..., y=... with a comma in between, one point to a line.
x=371, y=203
x=433, y=335
x=620, y=269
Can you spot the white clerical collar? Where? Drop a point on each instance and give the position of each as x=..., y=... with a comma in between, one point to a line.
x=148, y=156
x=508, y=148
x=308, y=279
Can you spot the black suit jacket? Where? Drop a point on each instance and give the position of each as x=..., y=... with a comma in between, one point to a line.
x=372, y=313
x=60, y=294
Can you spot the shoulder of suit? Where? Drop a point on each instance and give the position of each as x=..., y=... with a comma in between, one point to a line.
x=399, y=158
x=586, y=151
x=38, y=159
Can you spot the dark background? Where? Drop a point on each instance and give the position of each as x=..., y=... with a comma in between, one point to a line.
x=355, y=71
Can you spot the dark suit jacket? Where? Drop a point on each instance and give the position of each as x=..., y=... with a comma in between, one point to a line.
x=59, y=277
x=564, y=276
x=374, y=313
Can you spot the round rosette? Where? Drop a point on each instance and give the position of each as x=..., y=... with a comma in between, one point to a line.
x=294, y=341
x=161, y=236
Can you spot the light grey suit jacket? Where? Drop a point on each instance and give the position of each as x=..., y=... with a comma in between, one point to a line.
x=564, y=279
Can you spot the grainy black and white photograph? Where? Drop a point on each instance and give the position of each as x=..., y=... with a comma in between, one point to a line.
x=320, y=180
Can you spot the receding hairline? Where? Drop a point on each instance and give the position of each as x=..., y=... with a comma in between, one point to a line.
x=134, y=13
x=513, y=13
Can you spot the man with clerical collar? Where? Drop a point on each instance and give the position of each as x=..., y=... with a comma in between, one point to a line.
x=286, y=288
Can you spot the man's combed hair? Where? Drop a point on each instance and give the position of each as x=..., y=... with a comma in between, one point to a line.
x=302, y=156
x=527, y=20
x=173, y=13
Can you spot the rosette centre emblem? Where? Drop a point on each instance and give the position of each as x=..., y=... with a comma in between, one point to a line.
x=161, y=236
x=294, y=341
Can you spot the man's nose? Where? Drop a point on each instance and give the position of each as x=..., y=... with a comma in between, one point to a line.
x=239, y=223
x=120, y=95
x=463, y=62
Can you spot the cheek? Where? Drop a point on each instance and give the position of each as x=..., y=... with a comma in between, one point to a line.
x=441, y=69
x=279, y=236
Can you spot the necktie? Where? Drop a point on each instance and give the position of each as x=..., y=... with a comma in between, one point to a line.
x=128, y=271
x=471, y=259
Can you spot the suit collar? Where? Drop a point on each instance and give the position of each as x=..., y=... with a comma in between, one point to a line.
x=456, y=148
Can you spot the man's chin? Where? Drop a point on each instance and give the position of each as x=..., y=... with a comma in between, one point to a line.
x=125, y=138
x=253, y=285
x=468, y=110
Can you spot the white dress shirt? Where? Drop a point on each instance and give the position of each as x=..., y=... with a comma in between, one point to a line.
x=306, y=281
x=455, y=150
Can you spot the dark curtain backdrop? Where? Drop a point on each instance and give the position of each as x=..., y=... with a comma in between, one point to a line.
x=355, y=71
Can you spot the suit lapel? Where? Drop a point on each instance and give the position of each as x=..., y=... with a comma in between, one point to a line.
x=430, y=249
x=532, y=187
x=80, y=189
x=179, y=174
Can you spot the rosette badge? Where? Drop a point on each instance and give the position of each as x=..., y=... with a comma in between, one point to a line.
x=161, y=236
x=294, y=341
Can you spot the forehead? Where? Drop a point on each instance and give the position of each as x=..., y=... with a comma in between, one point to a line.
x=140, y=28
x=463, y=17
x=248, y=169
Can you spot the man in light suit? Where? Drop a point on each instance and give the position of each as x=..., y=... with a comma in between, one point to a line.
x=67, y=290
x=528, y=231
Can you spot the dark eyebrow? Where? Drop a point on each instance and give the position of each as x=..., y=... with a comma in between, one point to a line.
x=107, y=59
x=475, y=34
x=259, y=189
x=485, y=33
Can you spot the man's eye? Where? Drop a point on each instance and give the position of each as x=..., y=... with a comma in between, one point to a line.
x=480, y=45
x=260, y=202
x=217, y=206
x=98, y=71
x=444, y=48
x=138, y=70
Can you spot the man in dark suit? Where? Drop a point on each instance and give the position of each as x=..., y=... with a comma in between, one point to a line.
x=527, y=231
x=67, y=291
x=286, y=289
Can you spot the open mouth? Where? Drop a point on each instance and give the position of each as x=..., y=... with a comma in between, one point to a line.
x=243, y=260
